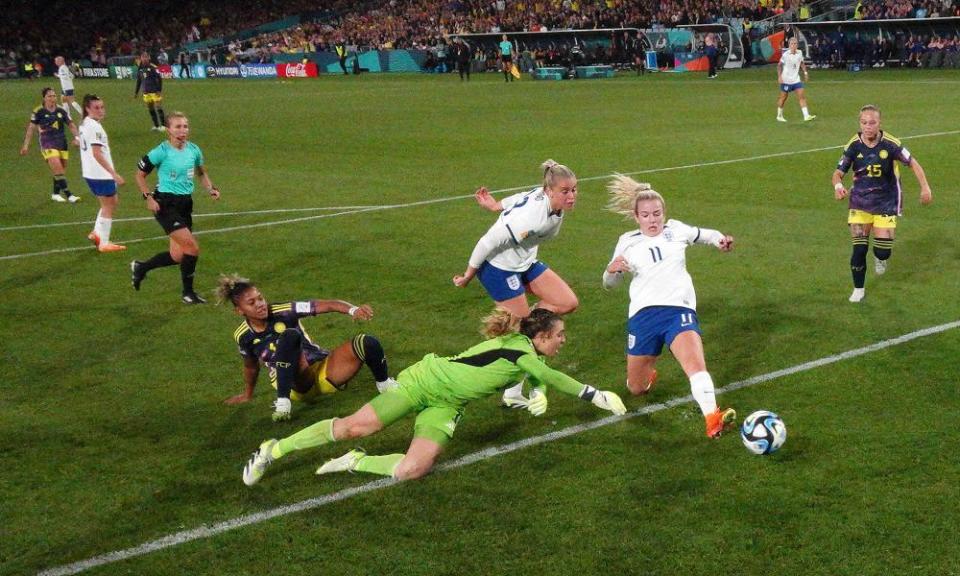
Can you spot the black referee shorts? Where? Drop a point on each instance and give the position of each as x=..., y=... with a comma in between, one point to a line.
x=176, y=211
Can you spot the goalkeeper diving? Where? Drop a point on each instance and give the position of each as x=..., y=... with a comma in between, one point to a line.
x=438, y=389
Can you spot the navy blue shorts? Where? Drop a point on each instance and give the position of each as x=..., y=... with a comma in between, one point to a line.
x=68, y=92
x=652, y=327
x=504, y=284
x=791, y=87
x=102, y=187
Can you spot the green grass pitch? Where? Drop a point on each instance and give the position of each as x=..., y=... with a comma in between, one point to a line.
x=112, y=428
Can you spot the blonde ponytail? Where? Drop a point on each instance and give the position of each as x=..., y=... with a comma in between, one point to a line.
x=553, y=171
x=625, y=193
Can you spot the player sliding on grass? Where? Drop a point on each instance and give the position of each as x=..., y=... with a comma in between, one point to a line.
x=505, y=258
x=299, y=369
x=662, y=300
x=438, y=389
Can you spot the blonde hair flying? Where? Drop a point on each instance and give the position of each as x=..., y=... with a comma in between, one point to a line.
x=625, y=193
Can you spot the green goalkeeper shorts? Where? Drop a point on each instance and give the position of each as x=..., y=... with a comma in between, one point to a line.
x=436, y=423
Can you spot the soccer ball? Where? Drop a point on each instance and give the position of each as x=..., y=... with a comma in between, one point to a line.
x=763, y=432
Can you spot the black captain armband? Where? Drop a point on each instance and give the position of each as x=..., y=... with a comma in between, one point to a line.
x=145, y=165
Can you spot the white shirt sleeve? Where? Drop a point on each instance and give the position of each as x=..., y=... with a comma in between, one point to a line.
x=612, y=280
x=709, y=236
x=96, y=136
x=496, y=237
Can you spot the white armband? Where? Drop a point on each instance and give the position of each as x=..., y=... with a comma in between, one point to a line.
x=303, y=307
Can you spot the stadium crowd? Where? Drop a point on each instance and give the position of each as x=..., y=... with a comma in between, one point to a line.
x=890, y=9
x=162, y=26
x=839, y=49
x=113, y=30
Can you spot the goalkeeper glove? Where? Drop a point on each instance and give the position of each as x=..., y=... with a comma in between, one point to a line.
x=537, y=405
x=604, y=399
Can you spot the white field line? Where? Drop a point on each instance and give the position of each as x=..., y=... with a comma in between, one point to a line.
x=458, y=197
x=204, y=532
x=204, y=215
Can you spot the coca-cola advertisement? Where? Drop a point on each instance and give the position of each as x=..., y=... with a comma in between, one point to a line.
x=297, y=70
x=166, y=72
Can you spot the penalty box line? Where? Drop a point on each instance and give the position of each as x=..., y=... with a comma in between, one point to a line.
x=204, y=532
x=458, y=197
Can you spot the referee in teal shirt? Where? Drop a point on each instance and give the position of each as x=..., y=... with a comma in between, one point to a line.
x=506, y=58
x=176, y=161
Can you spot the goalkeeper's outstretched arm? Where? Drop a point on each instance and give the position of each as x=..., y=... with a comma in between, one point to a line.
x=560, y=381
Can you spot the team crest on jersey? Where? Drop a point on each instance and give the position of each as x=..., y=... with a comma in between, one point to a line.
x=884, y=154
x=513, y=282
x=538, y=197
x=631, y=341
x=279, y=327
x=668, y=234
x=859, y=156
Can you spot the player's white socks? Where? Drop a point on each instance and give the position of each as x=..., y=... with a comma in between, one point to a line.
x=779, y=112
x=77, y=107
x=806, y=113
x=701, y=385
x=102, y=228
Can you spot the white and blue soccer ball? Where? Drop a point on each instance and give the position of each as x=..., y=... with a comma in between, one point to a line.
x=763, y=432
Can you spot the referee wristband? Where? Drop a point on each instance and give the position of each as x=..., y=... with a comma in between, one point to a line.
x=838, y=186
x=353, y=310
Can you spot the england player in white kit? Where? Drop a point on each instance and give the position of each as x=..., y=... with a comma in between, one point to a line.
x=505, y=258
x=663, y=303
x=66, y=83
x=98, y=171
x=788, y=77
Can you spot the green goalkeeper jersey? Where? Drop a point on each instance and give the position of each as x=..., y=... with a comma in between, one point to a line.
x=481, y=371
